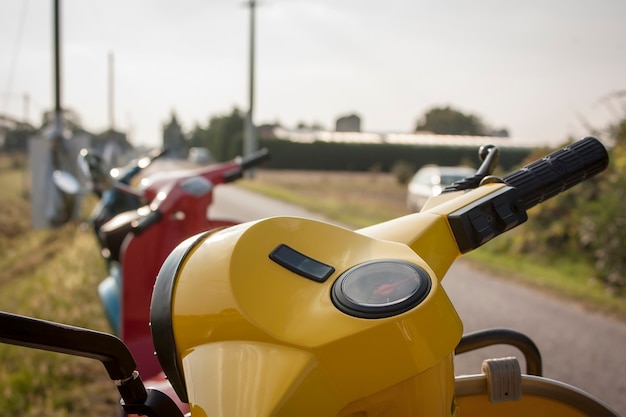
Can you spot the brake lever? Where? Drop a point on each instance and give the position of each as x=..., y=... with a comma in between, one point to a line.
x=490, y=156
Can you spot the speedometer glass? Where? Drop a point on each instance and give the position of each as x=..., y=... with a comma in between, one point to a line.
x=380, y=288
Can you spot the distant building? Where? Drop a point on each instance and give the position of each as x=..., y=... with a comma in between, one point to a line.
x=351, y=123
x=174, y=139
x=14, y=134
x=266, y=131
x=410, y=138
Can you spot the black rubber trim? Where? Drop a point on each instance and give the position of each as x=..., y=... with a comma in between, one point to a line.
x=161, y=314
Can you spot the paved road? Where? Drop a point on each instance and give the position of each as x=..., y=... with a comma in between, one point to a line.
x=578, y=347
x=232, y=202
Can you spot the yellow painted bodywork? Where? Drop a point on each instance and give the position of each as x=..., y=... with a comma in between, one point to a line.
x=254, y=338
x=232, y=301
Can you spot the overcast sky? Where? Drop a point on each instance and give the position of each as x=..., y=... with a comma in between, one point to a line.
x=531, y=66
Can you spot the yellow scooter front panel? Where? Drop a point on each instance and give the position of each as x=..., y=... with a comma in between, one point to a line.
x=229, y=290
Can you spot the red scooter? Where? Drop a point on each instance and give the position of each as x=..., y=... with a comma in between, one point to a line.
x=136, y=243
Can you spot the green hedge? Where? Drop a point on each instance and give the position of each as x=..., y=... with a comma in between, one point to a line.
x=333, y=156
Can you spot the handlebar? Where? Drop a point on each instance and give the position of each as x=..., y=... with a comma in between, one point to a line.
x=130, y=171
x=141, y=225
x=157, y=153
x=254, y=159
x=245, y=163
x=558, y=171
x=484, y=217
x=154, y=216
x=108, y=349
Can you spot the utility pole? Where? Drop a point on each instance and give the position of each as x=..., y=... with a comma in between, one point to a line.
x=26, y=107
x=250, y=140
x=111, y=93
x=57, y=132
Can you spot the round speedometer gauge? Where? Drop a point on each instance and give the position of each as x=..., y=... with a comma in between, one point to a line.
x=380, y=289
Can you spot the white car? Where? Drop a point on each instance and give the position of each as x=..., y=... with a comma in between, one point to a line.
x=200, y=156
x=430, y=180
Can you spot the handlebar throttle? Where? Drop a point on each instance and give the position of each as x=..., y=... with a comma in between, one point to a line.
x=245, y=163
x=559, y=171
x=482, y=220
x=255, y=159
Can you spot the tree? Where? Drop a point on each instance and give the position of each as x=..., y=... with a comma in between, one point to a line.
x=604, y=231
x=71, y=119
x=223, y=136
x=14, y=136
x=449, y=121
x=588, y=222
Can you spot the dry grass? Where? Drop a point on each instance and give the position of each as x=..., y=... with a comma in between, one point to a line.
x=356, y=198
x=49, y=274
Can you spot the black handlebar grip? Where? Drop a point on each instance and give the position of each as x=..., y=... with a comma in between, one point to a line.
x=233, y=175
x=254, y=159
x=559, y=171
x=246, y=163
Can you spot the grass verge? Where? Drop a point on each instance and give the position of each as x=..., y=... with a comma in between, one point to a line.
x=52, y=275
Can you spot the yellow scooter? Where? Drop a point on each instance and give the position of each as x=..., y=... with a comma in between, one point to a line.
x=295, y=317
